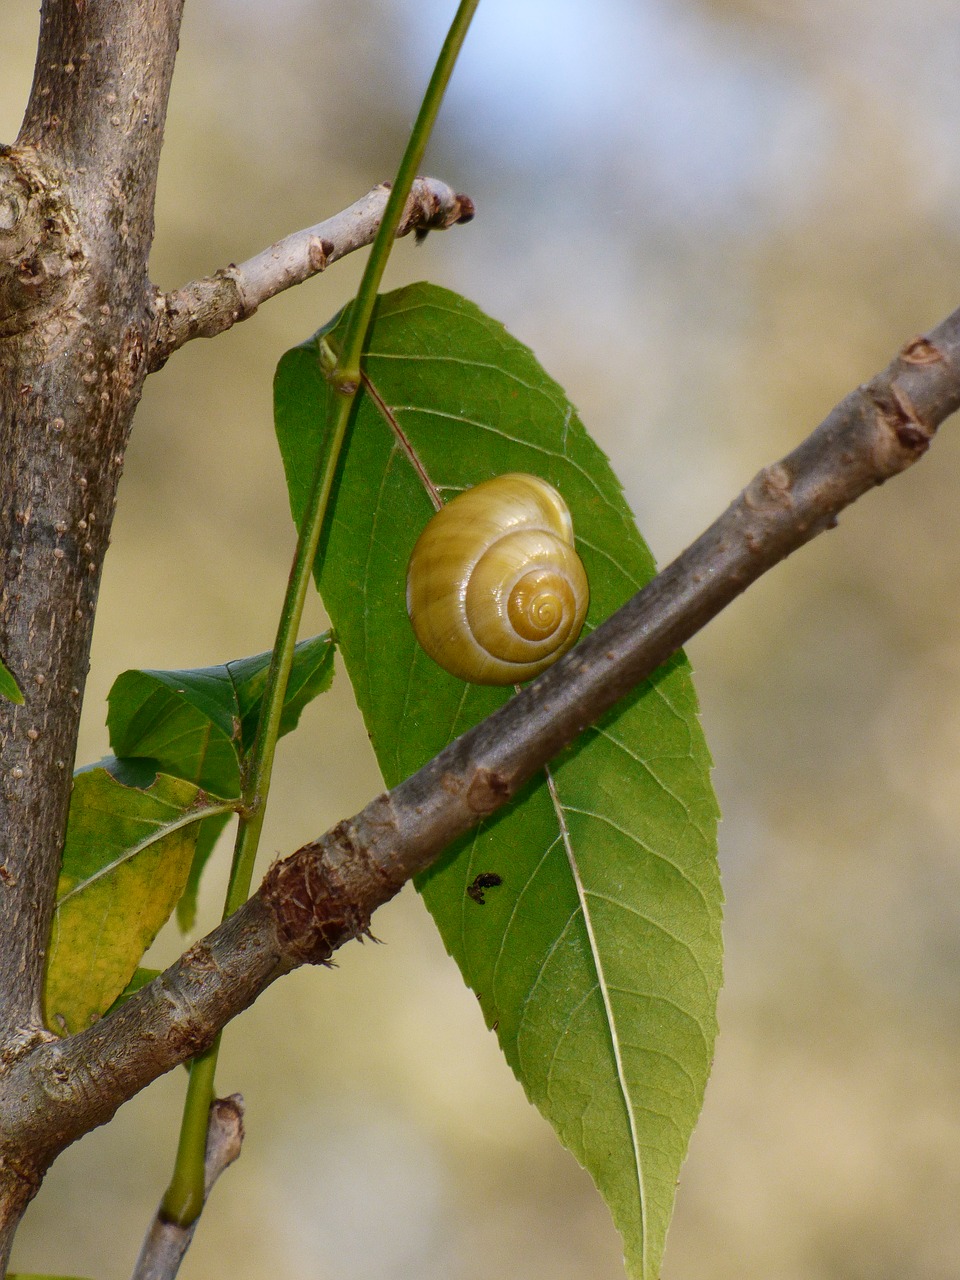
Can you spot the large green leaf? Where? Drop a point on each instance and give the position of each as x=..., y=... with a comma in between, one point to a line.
x=130, y=842
x=199, y=724
x=592, y=935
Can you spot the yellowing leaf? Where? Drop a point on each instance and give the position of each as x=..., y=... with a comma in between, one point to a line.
x=126, y=861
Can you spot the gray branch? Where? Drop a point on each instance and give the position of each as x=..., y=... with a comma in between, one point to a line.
x=76, y=223
x=325, y=893
x=166, y=1243
x=206, y=307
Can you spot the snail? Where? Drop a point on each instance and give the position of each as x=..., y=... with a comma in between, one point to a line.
x=495, y=590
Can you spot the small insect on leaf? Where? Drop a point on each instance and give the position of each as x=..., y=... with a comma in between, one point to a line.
x=485, y=880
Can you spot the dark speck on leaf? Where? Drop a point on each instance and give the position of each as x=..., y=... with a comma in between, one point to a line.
x=485, y=880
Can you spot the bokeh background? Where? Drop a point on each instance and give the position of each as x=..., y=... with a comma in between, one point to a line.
x=711, y=218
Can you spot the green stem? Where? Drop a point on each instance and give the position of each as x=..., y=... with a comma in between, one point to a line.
x=260, y=767
x=348, y=366
x=184, y=1198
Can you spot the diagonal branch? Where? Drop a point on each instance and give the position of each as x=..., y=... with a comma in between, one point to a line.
x=325, y=893
x=206, y=307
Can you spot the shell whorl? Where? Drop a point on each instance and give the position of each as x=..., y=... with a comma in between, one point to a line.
x=495, y=590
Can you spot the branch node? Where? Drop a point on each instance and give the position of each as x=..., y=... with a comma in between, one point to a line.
x=487, y=791
x=314, y=915
x=319, y=253
x=899, y=415
x=40, y=255
x=921, y=350
x=771, y=487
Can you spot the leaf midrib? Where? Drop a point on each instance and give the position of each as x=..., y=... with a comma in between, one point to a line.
x=131, y=851
x=610, y=1019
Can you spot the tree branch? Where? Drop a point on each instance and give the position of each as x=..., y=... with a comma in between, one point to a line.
x=325, y=893
x=76, y=221
x=166, y=1243
x=96, y=114
x=206, y=307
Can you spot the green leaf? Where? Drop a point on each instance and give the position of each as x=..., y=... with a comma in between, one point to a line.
x=185, y=721
x=141, y=977
x=126, y=860
x=198, y=724
x=587, y=917
x=9, y=688
x=310, y=675
x=209, y=832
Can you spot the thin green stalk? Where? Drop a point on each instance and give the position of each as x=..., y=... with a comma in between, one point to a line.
x=184, y=1198
x=347, y=371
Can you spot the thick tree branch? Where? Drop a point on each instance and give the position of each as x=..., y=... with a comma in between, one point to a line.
x=96, y=115
x=324, y=894
x=76, y=221
x=166, y=1243
x=206, y=307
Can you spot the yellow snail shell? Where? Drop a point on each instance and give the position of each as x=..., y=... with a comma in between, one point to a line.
x=495, y=590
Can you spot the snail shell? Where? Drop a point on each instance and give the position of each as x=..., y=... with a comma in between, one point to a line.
x=495, y=590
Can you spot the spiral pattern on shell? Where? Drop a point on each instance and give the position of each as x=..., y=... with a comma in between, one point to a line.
x=495, y=590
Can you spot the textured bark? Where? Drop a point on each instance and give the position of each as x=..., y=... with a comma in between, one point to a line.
x=76, y=223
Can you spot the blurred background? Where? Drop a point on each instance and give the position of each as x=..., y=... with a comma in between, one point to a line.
x=711, y=219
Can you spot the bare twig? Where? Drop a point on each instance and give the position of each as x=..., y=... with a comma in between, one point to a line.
x=206, y=307
x=324, y=894
x=166, y=1243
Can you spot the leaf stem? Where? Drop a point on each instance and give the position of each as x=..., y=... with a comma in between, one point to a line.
x=347, y=372
x=184, y=1198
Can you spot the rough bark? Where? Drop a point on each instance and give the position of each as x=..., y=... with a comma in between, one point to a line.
x=76, y=223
